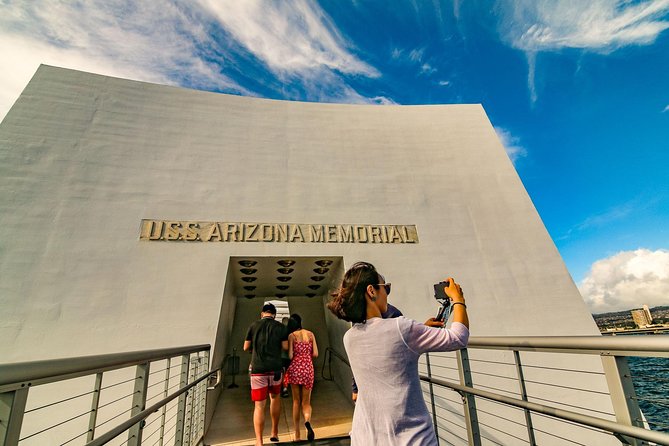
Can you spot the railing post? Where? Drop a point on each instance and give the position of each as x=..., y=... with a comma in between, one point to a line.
x=164, y=409
x=434, y=407
x=12, y=408
x=181, y=407
x=92, y=419
x=623, y=395
x=192, y=395
x=523, y=395
x=203, y=397
x=139, y=403
x=471, y=418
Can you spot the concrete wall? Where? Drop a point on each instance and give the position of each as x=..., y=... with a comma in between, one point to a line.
x=83, y=158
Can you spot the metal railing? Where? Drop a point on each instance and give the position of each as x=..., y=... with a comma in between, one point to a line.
x=154, y=397
x=531, y=390
x=327, y=363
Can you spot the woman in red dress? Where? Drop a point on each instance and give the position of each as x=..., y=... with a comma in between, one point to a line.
x=302, y=349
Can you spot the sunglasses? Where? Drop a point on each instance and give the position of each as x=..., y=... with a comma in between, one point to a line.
x=386, y=286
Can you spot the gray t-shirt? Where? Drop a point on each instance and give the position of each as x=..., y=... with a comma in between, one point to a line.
x=384, y=353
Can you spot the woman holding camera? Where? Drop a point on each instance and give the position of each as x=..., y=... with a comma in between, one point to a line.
x=384, y=353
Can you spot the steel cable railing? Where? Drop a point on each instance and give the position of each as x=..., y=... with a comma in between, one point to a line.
x=116, y=408
x=520, y=390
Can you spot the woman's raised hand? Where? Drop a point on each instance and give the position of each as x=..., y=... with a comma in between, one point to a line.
x=454, y=291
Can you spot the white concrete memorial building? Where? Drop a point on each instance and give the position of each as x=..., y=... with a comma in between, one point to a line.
x=138, y=216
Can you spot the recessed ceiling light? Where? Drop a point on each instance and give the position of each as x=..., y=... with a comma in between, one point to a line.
x=247, y=263
x=286, y=263
x=314, y=278
x=321, y=270
x=248, y=271
x=285, y=270
x=249, y=279
x=324, y=262
x=313, y=287
x=283, y=278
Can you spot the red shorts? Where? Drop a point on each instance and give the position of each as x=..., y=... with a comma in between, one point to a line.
x=264, y=383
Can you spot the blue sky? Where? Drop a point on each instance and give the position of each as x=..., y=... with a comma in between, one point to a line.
x=578, y=91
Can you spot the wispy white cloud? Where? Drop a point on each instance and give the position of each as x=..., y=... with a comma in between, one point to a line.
x=620, y=212
x=148, y=41
x=601, y=26
x=416, y=55
x=612, y=215
x=666, y=109
x=414, y=58
x=427, y=69
x=511, y=144
x=601, y=220
x=444, y=83
x=627, y=280
x=382, y=100
x=329, y=87
x=200, y=44
x=295, y=37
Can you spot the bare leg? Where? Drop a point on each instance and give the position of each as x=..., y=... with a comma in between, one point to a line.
x=297, y=403
x=275, y=412
x=306, y=410
x=259, y=420
x=306, y=403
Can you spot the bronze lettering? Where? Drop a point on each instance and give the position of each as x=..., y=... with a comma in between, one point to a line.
x=192, y=233
x=374, y=234
x=296, y=233
x=408, y=238
x=169, y=230
x=251, y=232
x=345, y=234
x=231, y=233
x=156, y=234
x=331, y=233
x=281, y=233
x=394, y=236
x=214, y=232
x=360, y=234
x=173, y=230
x=384, y=234
x=316, y=233
x=267, y=232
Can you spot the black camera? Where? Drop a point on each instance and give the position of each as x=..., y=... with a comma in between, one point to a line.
x=440, y=295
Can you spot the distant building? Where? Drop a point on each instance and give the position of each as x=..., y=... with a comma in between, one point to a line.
x=647, y=311
x=641, y=318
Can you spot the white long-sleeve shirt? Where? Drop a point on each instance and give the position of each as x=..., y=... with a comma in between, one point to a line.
x=384, y=353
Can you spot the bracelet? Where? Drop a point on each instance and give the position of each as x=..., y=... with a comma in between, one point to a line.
x=459, y=303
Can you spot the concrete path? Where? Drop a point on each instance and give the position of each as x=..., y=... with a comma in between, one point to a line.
x=232, y=423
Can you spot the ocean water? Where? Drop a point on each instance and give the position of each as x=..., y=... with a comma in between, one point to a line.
x=651, y=383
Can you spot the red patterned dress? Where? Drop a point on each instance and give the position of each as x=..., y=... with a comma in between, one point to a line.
x=301, y=369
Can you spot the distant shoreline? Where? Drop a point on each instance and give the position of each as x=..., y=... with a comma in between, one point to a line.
x=619, y=321
x=648, y=330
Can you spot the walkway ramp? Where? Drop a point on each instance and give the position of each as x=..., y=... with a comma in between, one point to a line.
x=232, y=423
